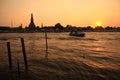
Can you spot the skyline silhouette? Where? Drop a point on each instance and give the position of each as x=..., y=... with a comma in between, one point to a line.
x=72, y=12
x=58, y=27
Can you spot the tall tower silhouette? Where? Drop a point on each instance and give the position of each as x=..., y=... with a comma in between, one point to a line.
x=32, y=25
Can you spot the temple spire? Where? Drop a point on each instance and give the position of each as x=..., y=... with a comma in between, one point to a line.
x=31, y=14
x=32, y=20
x=32, y=25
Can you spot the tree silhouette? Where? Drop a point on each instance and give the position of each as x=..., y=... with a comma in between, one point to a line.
x=58, y=26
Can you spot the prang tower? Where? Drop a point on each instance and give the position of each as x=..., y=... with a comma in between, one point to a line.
x=32, y=25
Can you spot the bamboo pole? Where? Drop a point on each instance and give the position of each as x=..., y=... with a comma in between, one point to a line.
x=18, y=68
x=10, y=61
x=46, y=56
x=24, y=53
x=9, y=56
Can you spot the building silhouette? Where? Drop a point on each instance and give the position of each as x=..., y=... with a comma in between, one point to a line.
x=31, y=26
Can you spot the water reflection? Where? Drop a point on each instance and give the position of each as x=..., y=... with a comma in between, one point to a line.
x=73, y=54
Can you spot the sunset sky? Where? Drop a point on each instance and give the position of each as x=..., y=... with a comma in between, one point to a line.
x=50, y=12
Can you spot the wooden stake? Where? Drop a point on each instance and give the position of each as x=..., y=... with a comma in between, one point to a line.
x=10, y=61
x=46, y=56
x=18, y=66
x=9, y=55
x=24, y=54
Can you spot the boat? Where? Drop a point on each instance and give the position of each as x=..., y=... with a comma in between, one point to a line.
x=76, y=33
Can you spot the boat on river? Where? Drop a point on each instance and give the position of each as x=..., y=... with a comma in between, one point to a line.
x=77, y=33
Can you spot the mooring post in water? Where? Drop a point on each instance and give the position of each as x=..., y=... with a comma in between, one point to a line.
x=9, y=56
x=10, y=61
x=46, y=56
x=24, y=53
x=18, y=67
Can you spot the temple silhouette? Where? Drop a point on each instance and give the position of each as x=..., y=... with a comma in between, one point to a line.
x=31, y=26
x=58, y=27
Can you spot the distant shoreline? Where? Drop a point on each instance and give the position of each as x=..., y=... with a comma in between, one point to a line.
x=53, y=32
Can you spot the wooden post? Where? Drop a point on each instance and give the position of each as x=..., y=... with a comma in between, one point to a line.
x=46, y=56
x=24, y=54
x=18, y=66
x=9, y=55
x=10, y=61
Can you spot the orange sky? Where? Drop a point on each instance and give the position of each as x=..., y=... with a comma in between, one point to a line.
x=50, y=12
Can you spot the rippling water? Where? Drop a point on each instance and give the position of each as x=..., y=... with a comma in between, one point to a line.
x=96, y=49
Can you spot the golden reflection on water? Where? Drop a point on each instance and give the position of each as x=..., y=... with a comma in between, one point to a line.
x=98, y=49
x=103, y=64
x=67, y=54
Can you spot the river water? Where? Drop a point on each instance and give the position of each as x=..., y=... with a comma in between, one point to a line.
x=96, y=49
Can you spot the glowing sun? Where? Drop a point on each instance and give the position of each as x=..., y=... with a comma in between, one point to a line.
x=99, y=24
